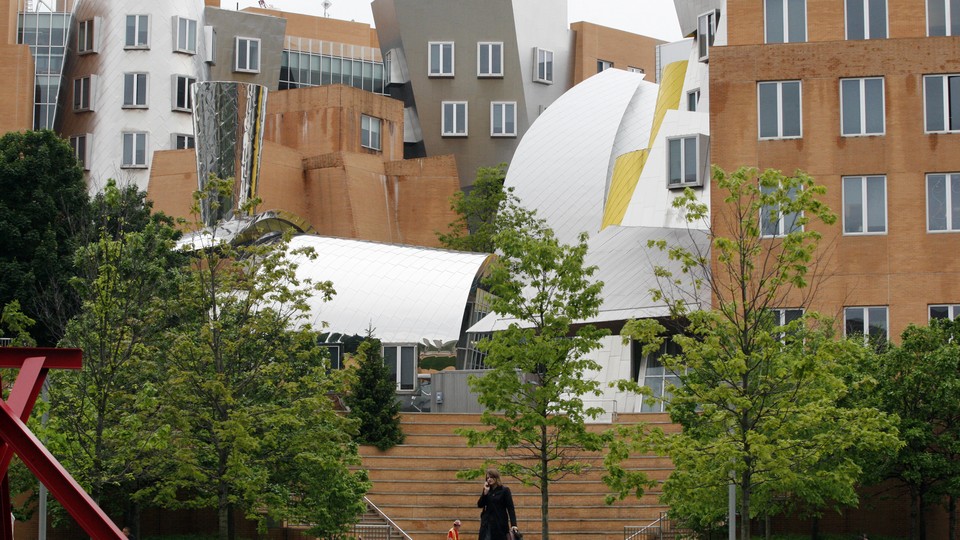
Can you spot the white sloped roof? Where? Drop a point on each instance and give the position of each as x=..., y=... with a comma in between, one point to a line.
x=405, y=293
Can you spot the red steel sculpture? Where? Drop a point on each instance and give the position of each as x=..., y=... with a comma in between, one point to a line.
x=15, y=438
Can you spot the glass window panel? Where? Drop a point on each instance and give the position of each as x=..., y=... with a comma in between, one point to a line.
x=797, y=19
x=852, y=205
x=461, y=117
x=939, y=312
x=853, y=321
x=933, y=102
x=773, y=11
x=877, y=317
x=447, y=58
x=497, y=118
x=408, y=367
x=675, y=152
x=325, y=70
x=367, y=76
x=954, y=104
x=790, y=218
x=656, y=387
x=511, y=118
x=690, y=160
x=873, y=103
x=878, y=19
x=876, y=204
x=128, y=89
x=855, y=18
x=336, y=75
x=497, y=56
x=791, y=109
x=127, y=148
x=936, y=18
x=142, y=35
x=485, y=59
x=769, y=217
x=131, y=37
x=768, y=110
x=954, y=17
x=937, y=202
x=850, y=89
x=448, y=117
x=955, y=201
x=141, y=89
x=390, y=360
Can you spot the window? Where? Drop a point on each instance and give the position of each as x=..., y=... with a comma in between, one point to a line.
x=401, y=362
x=649, y=371
x=785, y=21
x=603, y=64
x=134, y=90
x=944, y=312
x=684, y=161
x=454, y=118
x=134, y=150
x=248, y=55
x=503, y=119
x=185, y=40
x=634, y=69
x=83, y=93
x=775, y=223
x=941, y=96
x=943, y=17
x=780, y=109
x=862, y=103
x=544, y=71
x=864, y=204
x=138, y=32
x=369, y=132
x=706, y=32
x=181, y=141
x=866, y=19
x=693, y=98
x=87, y=36
x=489, y=59
x=440, y=59
x=943, y=202
x=869, y=322
x=335, y=350
x=80, y=146
x=182, y=100
x=785, y=316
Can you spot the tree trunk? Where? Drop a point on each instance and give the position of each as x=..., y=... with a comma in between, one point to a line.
x=914, y=502
x=544, y=486
x=952, y=513
x=921, y=514
x=745, y=505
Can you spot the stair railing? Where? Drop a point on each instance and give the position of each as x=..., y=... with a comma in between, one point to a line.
x=656, y=526
x=386, y=518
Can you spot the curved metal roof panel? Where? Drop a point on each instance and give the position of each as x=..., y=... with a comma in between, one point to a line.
x=405, y=293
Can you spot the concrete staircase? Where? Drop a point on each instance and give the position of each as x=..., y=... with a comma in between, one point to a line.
x=415, y=485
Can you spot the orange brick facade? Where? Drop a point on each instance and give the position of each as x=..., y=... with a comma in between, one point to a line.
x=907, y=268
x=625, y=50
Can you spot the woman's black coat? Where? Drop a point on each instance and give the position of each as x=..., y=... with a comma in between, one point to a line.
x=498, y=513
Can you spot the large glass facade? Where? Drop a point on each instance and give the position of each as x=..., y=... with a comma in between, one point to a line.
x=306, y=62
x=46, y=34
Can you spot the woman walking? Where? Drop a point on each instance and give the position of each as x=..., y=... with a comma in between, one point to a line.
x=498, y=517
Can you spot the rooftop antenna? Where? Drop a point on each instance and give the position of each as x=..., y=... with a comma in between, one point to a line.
x=326, y=7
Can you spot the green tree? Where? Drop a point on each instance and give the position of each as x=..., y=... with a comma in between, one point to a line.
x=43, y=205
x=372, y=399
x=241, y=363
x=539, y=369
x=104, y=421
x=758, y=399
x=919, y=380
x=476, y=210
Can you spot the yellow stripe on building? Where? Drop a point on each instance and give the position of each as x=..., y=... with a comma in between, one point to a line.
x=628, y=167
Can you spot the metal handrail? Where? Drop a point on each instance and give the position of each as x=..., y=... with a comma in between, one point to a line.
x=643, y=529
x=386, y=518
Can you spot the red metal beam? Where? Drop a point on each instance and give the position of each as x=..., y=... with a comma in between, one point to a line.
x=13, y=357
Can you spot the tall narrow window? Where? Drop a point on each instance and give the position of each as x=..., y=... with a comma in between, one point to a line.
x=693, y=99
x=490, y=59
x=866, y=19
x=186, y=35
x=182, y=90
x=780, y=109
x=943, y=202
x=785, y=21
x=649, y=371
x=80, y=145
x=862, y=104
x=774, y=222
x=503, y=119
x=454, y=118
x=941, y=96
x=134, y=150
x=369, y=132
x=864, y=204
x=869, y=322
x=401, y=362
x=544, y=71
x=247, y=55
x=706, y=32
x=135, y=90
x=943, y=18
x=440, y=59
x=684, y=162
x=87, y=36
x=82, y=94
x=138, y=32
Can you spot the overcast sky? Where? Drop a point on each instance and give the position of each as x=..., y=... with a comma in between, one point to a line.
x=654, y=18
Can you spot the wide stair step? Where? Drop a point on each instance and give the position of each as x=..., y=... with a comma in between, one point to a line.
x=416, y=486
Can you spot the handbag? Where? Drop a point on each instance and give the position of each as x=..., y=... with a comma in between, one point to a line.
x=514, y=535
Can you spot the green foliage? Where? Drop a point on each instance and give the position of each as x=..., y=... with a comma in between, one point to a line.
x=476, y=223
x=760, y=403
x=539, y=368
x=372, y=399
x=919, y=381
x=43, y=204
x=246, y=391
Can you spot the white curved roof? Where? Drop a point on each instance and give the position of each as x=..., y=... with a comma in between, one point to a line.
x=405, y=293
x=563, y=164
